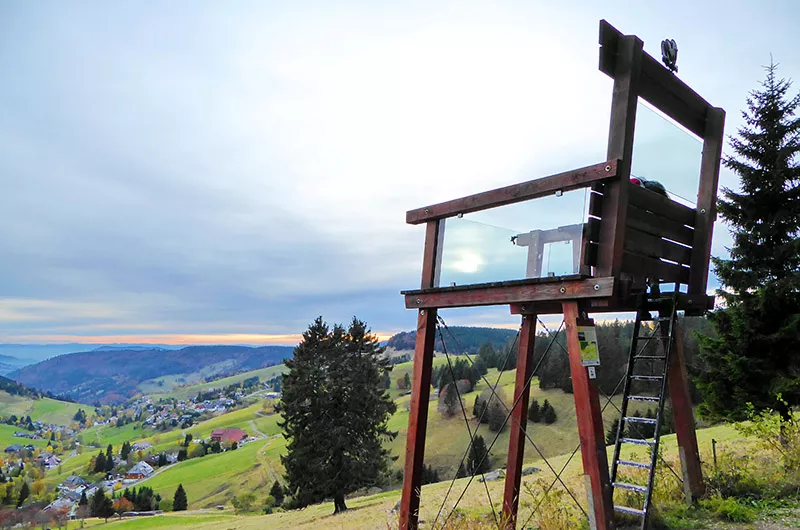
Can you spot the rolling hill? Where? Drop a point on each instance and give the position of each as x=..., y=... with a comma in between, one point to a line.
x=459, y=339
x=113, y=376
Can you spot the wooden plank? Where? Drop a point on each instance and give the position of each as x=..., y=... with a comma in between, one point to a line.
x=656, y=225
x=420, y=389
x=641, y=243
x=680, y=396
x=508, y=294
x=418, y=419
x=646, y=267
x=519, y=421
x=707, y=199
x=692, y=305
x=590, y=428
x=661, y=206
x=620, y=146
x=569, y=180
x=659, y=86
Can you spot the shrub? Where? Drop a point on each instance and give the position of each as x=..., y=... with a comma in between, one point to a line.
x=730, y=509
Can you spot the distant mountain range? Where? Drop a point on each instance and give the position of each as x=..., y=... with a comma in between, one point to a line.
x=457, y=339
x=112, y=375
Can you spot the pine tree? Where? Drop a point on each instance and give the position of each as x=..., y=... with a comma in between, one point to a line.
x=534, y=412
x=125, y=451
x=100, y=463
x=548, y=413
x=24, y=493
x=109, y=458
x=611, y=433
x=755, y=355
x=335, y=413
x=179, y=502
x=277, y=493
x=162, y=460
x=478, y=458
x=83, y=500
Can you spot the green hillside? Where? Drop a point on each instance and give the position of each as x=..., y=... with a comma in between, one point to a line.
x=45, y=410
x=370, y=511
x=185, y=392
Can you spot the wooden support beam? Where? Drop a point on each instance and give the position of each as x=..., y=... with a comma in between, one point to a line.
x=707, y=200
x=627, y=70
x=590, y=428
x=680, y=395
x=567, y=181
x=503, y=293
x=519, y=421
x=659, y=86
x=420, y=390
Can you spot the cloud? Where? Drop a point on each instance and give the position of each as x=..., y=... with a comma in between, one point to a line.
x=243, y=169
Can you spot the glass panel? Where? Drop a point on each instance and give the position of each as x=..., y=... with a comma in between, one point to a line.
x=665, y=152
x=536, y=238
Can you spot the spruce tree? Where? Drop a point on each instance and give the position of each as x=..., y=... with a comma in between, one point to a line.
x=179, y=502
x=100, y=463
x=755, y=355
x=277, y=493
x=534, y=412
x=334, y=413
x=125, y=451
x=478, y=458
x=109, y=458
x=83, y=500
x=548, y=413
x=24, y=493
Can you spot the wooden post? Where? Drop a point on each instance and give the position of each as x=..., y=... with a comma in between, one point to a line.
x=681, y=398
x=519, y=420
x=590, y=429
x=713, y=139
x=420, y=388
x=620, y=145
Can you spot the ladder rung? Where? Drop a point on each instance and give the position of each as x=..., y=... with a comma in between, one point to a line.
x=652, y=399
x=647, y=377
x=631, y=463
x=629, y=510
x=636, y=419
x=654, y=337
x=631, y=487
x=637, y=441
x=649, y=358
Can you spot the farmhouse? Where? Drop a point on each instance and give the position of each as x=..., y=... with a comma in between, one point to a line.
x=139, y=471
x=141, y=446
x=15, y=448
x=228, y=436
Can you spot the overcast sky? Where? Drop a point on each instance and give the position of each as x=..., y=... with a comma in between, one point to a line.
x=226, y=171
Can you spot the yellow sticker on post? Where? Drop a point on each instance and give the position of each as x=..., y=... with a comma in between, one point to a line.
x=587, y=339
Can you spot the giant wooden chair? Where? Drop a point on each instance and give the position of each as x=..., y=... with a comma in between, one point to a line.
x=629, y=238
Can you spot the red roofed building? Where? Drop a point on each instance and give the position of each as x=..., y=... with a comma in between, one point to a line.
x=228, y=436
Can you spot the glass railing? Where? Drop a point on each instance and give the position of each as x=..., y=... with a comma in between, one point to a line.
x=665, y=152
x=532, y=239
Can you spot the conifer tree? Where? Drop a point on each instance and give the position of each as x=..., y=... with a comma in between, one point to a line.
x=478, y=458
x=277, y=493
x=100, y=463
x=83, y=500
x=179, y=501
x=534, y=411
x=756, y=355
x=24, y=493
x=109, y=458
x=335, y=412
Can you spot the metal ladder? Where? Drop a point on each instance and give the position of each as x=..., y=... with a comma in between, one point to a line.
x=663, y=331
